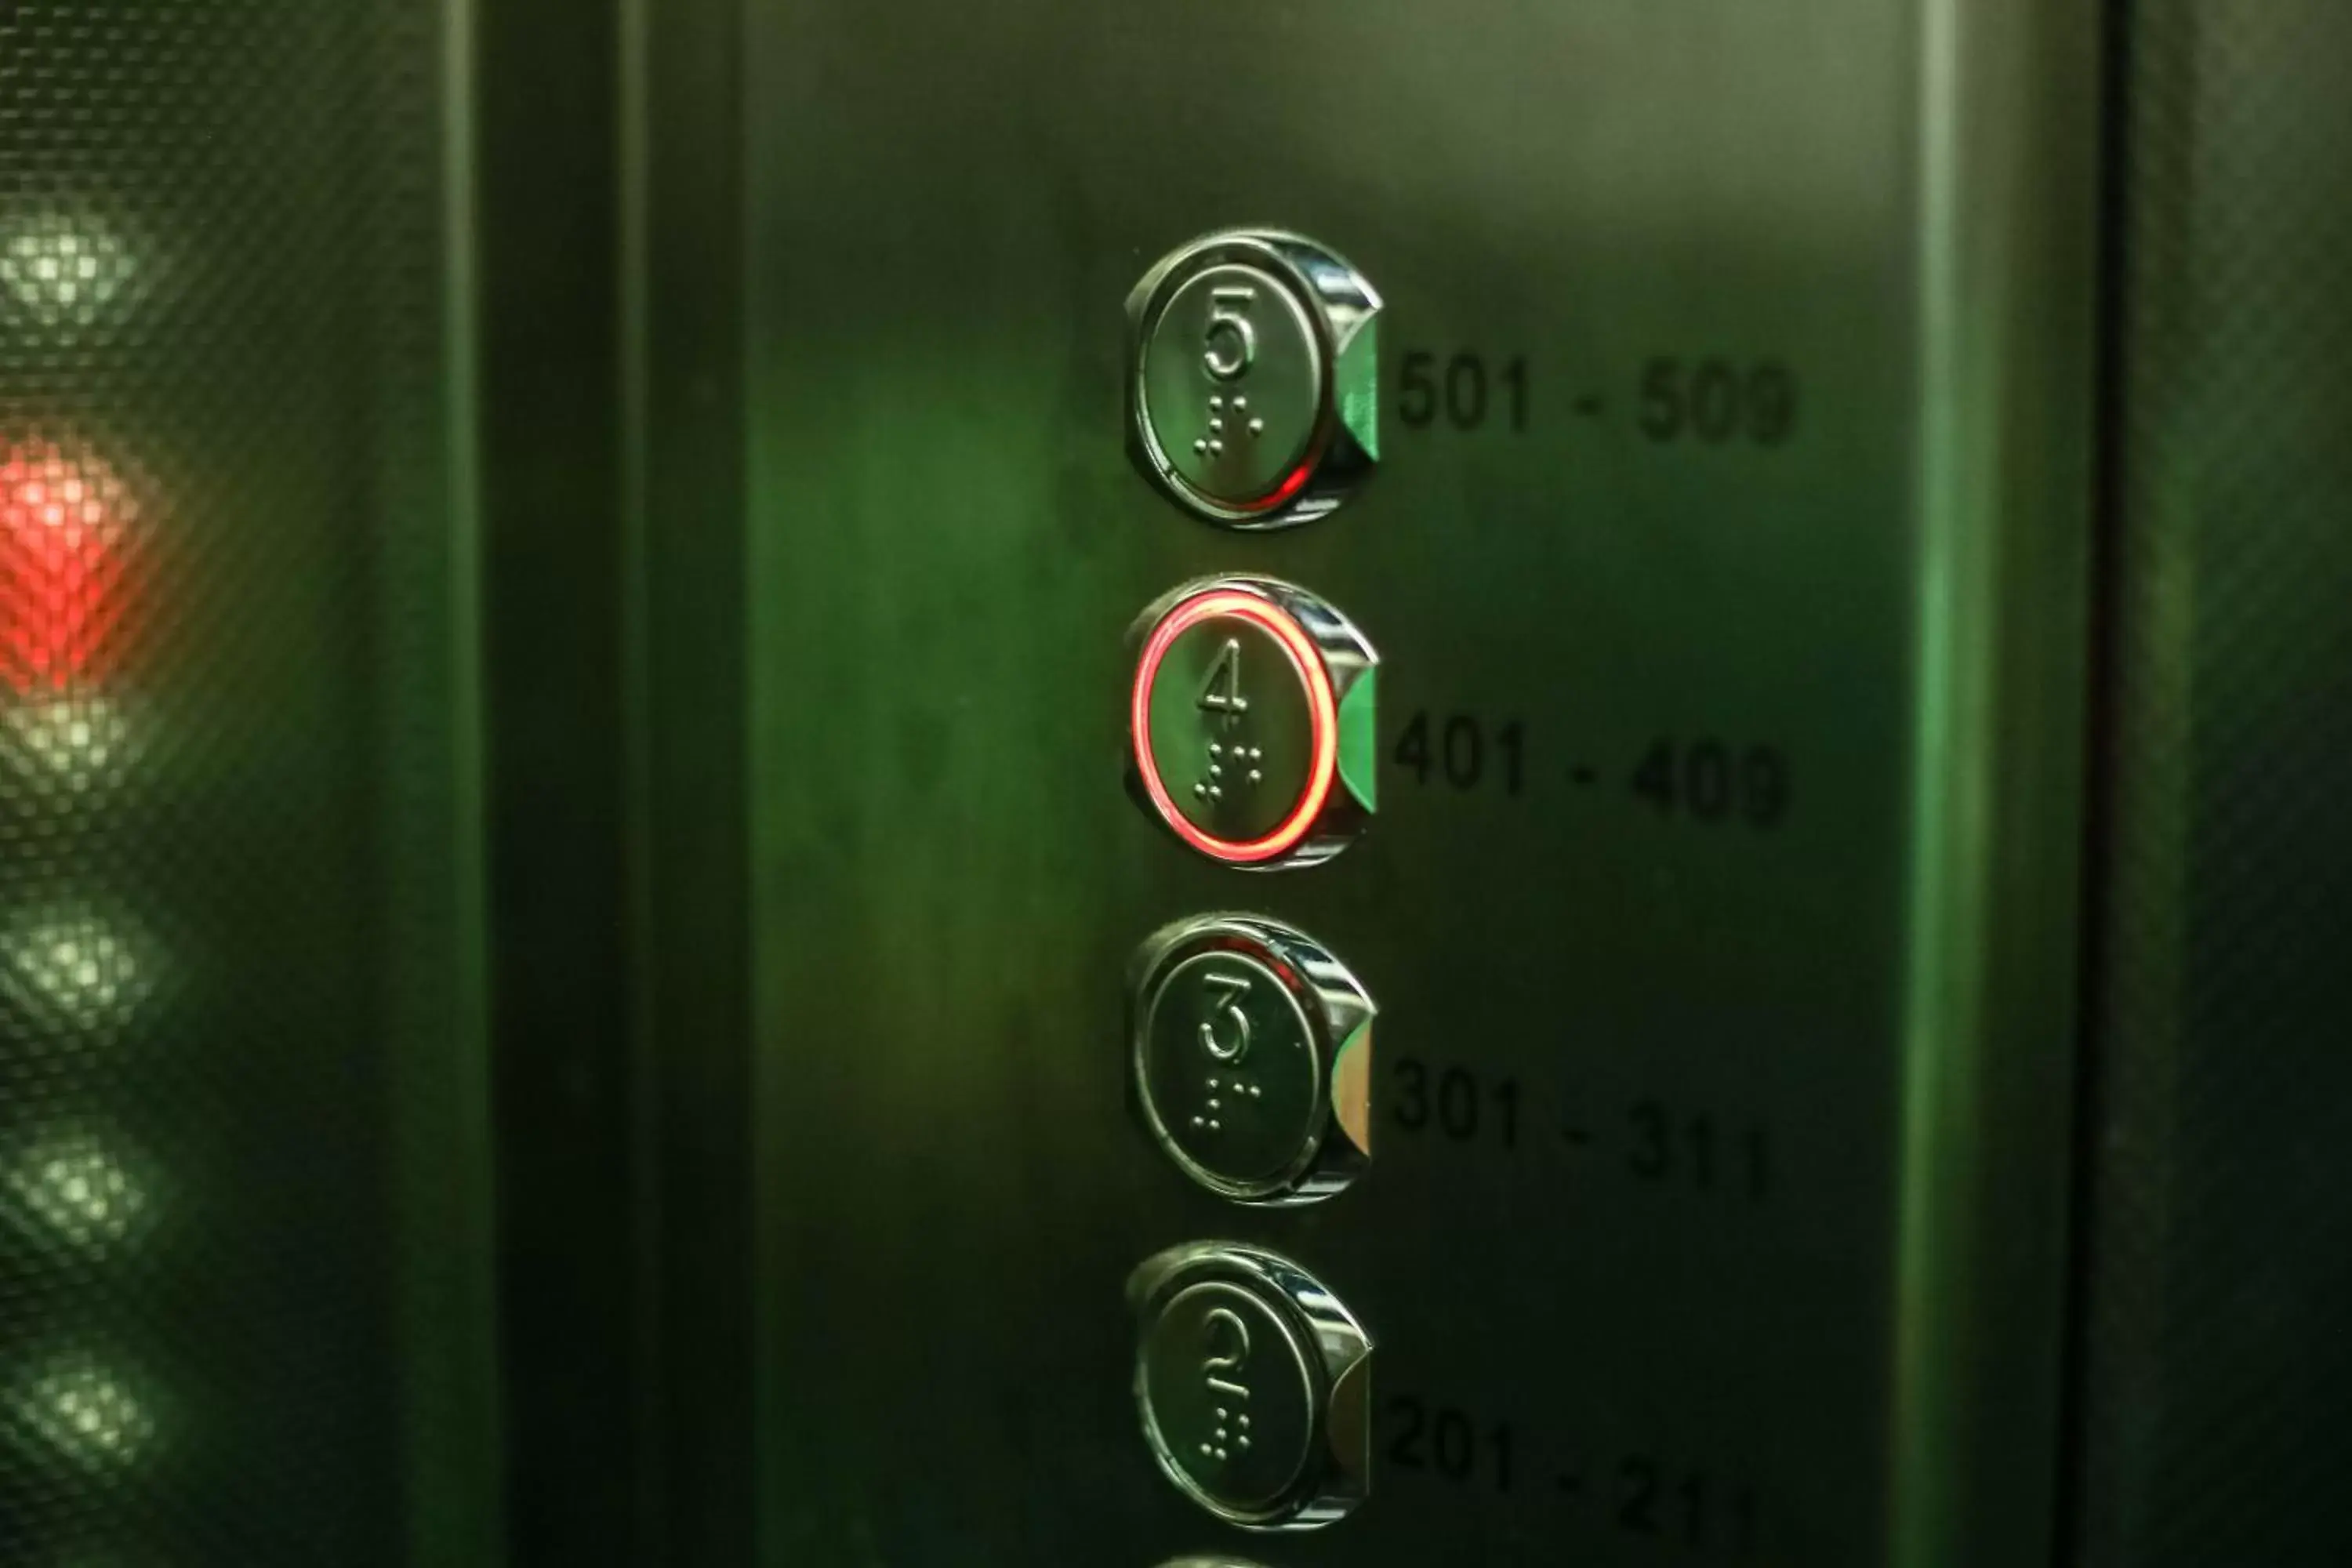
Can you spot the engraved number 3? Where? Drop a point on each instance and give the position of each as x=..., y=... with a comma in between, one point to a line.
x=1232, y=340
x=1227, y=990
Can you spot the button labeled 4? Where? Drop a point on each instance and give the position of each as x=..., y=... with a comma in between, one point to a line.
x=1251, y=722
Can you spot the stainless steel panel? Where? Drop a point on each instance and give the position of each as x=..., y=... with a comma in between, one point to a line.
x=1716, y=1196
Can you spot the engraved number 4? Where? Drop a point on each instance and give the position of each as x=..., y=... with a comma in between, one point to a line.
x=1222, y=692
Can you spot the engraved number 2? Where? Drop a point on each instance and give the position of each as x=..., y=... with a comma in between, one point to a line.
x=1232, y=340
x=1228, y=1343
x=1226, y=991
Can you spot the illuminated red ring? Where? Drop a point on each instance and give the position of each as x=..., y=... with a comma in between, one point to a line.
x=1323, y=718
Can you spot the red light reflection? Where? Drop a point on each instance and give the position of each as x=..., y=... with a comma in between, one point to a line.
x=62, y=518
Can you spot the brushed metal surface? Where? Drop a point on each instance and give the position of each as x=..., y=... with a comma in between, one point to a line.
x=1664, y=1089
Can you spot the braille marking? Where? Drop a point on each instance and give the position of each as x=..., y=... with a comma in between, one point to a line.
x=1232, y=1435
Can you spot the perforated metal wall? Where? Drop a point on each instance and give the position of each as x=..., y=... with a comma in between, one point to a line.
x=242, y=1305
x=2217, y=1401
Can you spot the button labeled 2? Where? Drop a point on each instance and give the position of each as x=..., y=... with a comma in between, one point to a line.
x=1252, y=1058
x=1253, y=1381
x=1251, y=722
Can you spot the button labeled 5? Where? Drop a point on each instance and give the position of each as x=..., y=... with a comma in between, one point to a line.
x=1253, y=390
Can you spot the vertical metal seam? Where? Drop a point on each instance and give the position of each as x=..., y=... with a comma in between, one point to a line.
x=482, y=1531
x=1917, y=1456
x=633, y=153
x=1995, y=153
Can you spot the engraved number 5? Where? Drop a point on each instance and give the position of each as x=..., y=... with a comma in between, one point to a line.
x=1228, y=991
x=1233, y=342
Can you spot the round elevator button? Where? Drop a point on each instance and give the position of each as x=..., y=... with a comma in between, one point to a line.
x=1241, y=709
x=1253, y=1381
x=1230, y=1071
x=1254, y=383
x=1233, y=385
x=1246, y=693
x=1229, y=1397
x=1252, y=1058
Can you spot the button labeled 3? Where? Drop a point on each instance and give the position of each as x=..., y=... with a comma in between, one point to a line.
x=1254, y=386
x=1251, y=722
x=1254, y=1385
x=1252, y=1058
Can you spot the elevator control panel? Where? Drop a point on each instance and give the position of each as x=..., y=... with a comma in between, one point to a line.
x=1558, y=427
x=1251, y=719
x=1253, y=1058
x=1251, y=722
x=1251, y=393
x=1251, y=1379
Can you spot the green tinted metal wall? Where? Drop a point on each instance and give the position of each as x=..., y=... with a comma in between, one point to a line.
x=1851, y=1360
